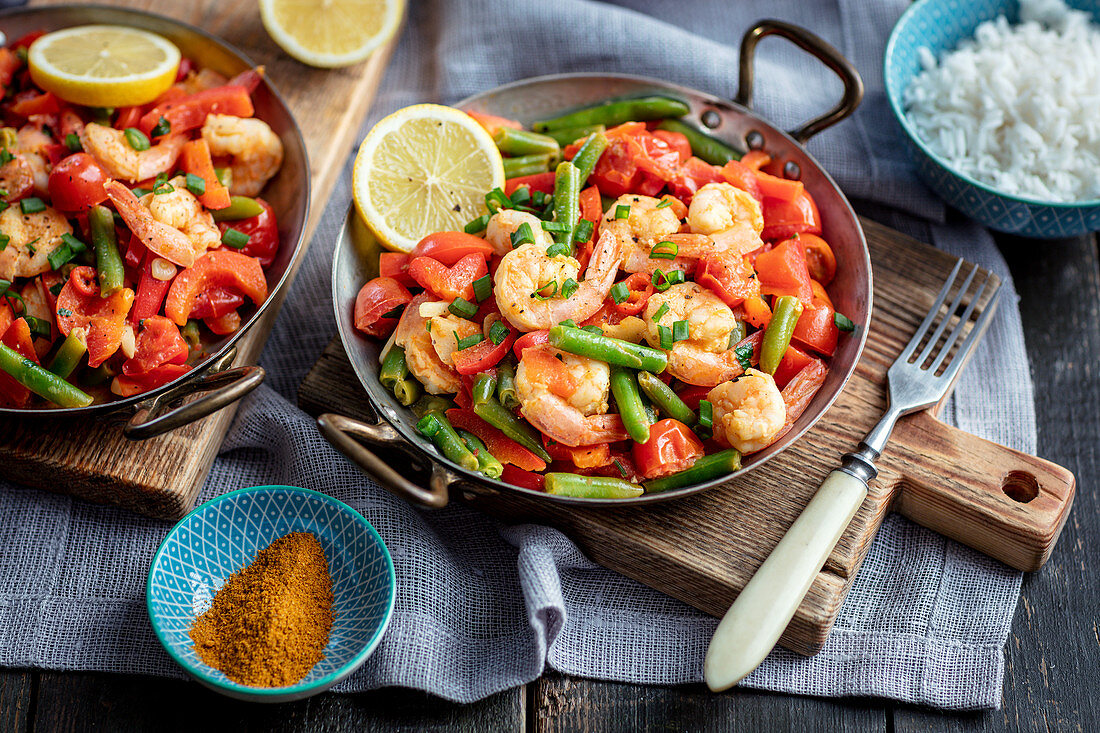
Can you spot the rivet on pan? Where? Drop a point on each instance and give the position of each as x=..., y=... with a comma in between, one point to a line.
x=711, y=119
x=754, y=140
x=792, y=171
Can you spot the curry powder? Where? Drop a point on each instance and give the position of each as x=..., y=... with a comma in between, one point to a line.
x=269, y=624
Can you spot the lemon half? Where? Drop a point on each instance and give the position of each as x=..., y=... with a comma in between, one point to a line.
x=331, y=33
x=104, y=65
x=425, y=168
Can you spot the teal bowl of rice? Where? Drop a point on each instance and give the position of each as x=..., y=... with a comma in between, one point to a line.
x=997, y=100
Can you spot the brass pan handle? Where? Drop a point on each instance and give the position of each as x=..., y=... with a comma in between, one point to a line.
x=819, y=49
x=339, y=431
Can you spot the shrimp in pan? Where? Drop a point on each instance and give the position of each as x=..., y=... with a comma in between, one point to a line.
x=706, y=357
x=254, y=150
x=120, y=160
x=648, y=222
x=749, y=412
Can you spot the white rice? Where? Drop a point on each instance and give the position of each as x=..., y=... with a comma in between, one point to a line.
x=1018, y=107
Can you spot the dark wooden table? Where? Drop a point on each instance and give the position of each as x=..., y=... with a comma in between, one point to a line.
x=1053, y=652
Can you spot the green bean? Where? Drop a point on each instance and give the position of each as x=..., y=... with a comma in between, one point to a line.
x=108, y=260
x=527, y=165
x=70, y=353
x=624, y=385
x=240, y=207
x=190, y=333
x=99, y=375
x=511, y=141
x=436, y=426
x=567, y=201
x=777, y=336
x=591, y=487
x=45, y=384
x=506, y=383
x=703, y=146
x=605, y=348
x=737, y=333
x=666, y=400
x=431, y=403
x=491, y=411
x=486, y=461
x=394, y=376
x=589, y=154
x=566, y=135
x=617, y=112
x=705, y=469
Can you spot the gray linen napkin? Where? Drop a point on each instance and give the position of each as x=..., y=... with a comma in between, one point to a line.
x=482, y=607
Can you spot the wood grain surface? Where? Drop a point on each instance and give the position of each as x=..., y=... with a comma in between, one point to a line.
x=702, y=549
x=162, y=476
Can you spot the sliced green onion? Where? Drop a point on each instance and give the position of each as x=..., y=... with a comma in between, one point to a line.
x=483, y=286
x=704, y=428
x=843, y=322
x=555, y=226
x=521, y=195
x=163, y=127
x=569, y=287
x=38, y=326
x=622, y=211
x=234, y=238
x=660, y=281
x=665, y=250
x=72, y=142
x=680, y=331
x=139, y=191
x=584, y=230
x=161, y=185
x=592, y=328
x=467, y=342
x=744, y=355
x=620, y=292
x=660, y=312
x=462, y=308
x=73, y=243
x=477, y=225
x=665, y=203
x=498, y=332
x=137, y=139
x=6, y=156
x=539, y=294
x=70, y=247
x=559, y=248
x=675, y=277
x=4, y=239
x=196, y=184
x=523, y=235
x=32, y=205
x=538, y=198
x=496, y=200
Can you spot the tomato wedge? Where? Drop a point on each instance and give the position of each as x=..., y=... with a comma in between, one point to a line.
x=731, y=279
x=672, y=447
x=377, y=298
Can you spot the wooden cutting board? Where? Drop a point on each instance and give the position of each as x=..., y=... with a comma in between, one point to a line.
x=702, y=549
x=162, y=476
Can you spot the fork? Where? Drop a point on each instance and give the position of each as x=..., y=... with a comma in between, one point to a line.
x=760, y=613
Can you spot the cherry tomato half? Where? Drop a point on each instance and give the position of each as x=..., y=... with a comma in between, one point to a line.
x=671, y=447
x=450, y=247
x=376, y=298
x=76, y=183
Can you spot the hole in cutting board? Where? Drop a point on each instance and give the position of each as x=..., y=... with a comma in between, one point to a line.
x=1020, y=486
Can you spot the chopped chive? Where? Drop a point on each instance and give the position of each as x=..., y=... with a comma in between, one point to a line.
x=704, y=427
x=619, y=465
x=472, y=340
x=477, y=225
x=196, y=184
x=161, y=185
x=32, y=205
x=569, y=287
x=843, y=322
x=234, y=238
x=592, y=328
x=74, y=244
x=30, y=245
x=584, y=230
x=63, y=312
x=38, y=326
x=496, y=200
x=675, y=277
x=555, y=226
x=462, y=308
x=498, y=332
x=523, y=235
x=665, y=250
x=70, y=247
x=620, y=292
x=4, y=239
x=559, y=248
x=72, y=142
x=483, y=286
x=6, y=156
x=680, y=331
x=394, y=312
x=664, y=204
x=661, y=281
x=665, y=334
x=660, y=312
x=538, y=198
x=139, y=192
x=56, y=289
x=521, y=195
x=540, y=294
x=622, y=211
x=163, y=127
x=744, y=355
x=137, y=139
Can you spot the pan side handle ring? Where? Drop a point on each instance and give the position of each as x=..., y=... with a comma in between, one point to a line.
x=346, y=435
x=817, y=47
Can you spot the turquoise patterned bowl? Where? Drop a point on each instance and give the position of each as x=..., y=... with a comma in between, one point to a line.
x=223, y=535
x=940, y=25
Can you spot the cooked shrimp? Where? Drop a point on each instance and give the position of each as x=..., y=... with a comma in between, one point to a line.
x=529, y=285
x=111, y=150
x=255, y=150
x=705, y=357
x=17, y=178
x=31, y=240
x=649, y=222
x=731, y=217
x=30, y=146
x=749, y=411
x=504, y=223
x=446, y=330
x=420, y=353
x=174, y=225
x=565, y=396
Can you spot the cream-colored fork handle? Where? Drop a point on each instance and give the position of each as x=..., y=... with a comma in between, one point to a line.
x=757, y=618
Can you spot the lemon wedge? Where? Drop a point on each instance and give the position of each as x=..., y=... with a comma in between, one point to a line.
x=331, y=33
x=425, y=168
x=104, y=65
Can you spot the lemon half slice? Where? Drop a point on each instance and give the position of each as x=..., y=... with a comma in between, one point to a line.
x=331, y=33
x=425, y=168
x=103, y=65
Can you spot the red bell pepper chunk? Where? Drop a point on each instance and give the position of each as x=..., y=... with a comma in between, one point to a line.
x=484, y=354
x=676, y=141
x=450, y=247
x=249, y=79
x=159, y=342
x=195, y=159
x=782, y=270
x=103, y=319
x=9, y=64
x=448, y=283
x=672, y=447
x=731, y=279
x=816, y=328
x=492, y=123
x=530, y=340
x=536, y=182
x=755, y=159
x=127, y=117
x=794, y=360
x=395, y=265
x=150, y=292
x=217, y=269
x=693, y=175
x=216, y=303
x=523, y=479
x=38, y=104
x=126, y=386
x=16, y=336
x=756, y=312
x=503, y=448
x=225, y=324
x=376, y=298
x=191, y=111
x=779, y=188
x=784, y=219
x=262, y=231
x=639, y=287
x=592, y=210
x=739, y=175
x=581, y=456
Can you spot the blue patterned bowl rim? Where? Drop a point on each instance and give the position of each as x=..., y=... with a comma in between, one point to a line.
x=899, y=113
x=320, y=684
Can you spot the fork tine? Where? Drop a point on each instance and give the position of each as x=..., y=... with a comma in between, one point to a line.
x=972, y=337
x=934, y=339
x=923, y=327
x=957, y=331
